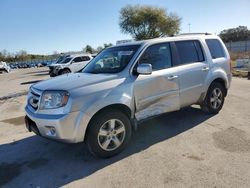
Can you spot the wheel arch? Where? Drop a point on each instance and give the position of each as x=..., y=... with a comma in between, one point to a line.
x=221, y=81
x=118, y=106
x=220, y=76
x=215, y=77
x=66, y=68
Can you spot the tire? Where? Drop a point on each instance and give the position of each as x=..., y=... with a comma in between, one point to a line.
x=214, y=100
x=5, y=71
x=64, y=71
x=108, y=133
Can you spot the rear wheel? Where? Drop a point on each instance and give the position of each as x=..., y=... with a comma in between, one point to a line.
x=214, y=99
x=108, y=133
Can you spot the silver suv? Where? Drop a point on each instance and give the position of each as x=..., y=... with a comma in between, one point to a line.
x=126, y=84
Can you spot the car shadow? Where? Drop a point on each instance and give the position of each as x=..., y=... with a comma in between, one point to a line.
x=30, y=82
x=38, y=71
x=40, y=162
x=41, y=74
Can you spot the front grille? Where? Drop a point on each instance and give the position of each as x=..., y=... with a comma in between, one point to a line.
x=34, y=99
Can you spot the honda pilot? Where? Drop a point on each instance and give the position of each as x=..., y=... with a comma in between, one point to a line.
x=128, y=83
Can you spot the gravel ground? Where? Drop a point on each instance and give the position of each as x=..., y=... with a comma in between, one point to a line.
x=181, y=149
x=19, y=80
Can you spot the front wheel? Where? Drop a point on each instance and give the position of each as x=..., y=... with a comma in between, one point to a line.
x=214, y=99
x=4, y=71
x=65, y=71
x=108, y=133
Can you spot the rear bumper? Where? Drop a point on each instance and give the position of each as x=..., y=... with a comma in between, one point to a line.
x=229, y=76
x=60, y=127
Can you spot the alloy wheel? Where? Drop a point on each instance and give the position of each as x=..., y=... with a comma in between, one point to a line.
x=216, y=98
x=111, y=134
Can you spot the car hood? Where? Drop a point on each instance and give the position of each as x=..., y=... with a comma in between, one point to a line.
x=54, y=65
x=73, y=81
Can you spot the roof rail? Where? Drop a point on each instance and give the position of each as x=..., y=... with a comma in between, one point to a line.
x=182, y=34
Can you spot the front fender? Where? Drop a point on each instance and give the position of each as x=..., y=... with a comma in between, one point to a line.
x=100, y=100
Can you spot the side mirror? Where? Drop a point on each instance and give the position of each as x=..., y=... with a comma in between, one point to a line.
x=144, y=69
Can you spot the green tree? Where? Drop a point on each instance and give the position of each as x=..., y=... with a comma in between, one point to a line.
x=240, y=33
x=146, y=22
x=107, y=45
x=88, y=49
x=99, y=48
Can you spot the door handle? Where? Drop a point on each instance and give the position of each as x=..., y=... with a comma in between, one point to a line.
x=172, y=77
x=205, y=69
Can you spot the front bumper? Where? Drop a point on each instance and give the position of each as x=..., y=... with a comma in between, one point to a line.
x=4, y=70
x=53, y=71
x=69, y=128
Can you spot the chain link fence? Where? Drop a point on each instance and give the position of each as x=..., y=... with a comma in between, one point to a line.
x=239, y=46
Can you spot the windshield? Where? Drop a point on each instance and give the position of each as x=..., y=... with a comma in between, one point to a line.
x=111, y=60
x=64, y=60
x=60, y=59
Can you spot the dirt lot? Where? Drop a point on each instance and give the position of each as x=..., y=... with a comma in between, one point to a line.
x=181, y=149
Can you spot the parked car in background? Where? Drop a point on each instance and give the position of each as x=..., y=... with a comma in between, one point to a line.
x=4, y=67
x=126, y=84
x=94, y=55
x=69, y=63
x=13, y=65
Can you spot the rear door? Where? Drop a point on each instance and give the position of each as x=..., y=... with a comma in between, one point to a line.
x=159, y=92
x=193, y=70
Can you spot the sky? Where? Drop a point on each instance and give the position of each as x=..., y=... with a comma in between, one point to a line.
x=45, y=26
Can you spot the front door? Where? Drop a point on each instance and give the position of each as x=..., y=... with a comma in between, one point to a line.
x=76, y=64
x=159, y=92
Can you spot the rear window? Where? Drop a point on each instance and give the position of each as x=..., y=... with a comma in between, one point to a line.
x=215, y=48
x=86, y=58
x=189, y=51
x=77, y=59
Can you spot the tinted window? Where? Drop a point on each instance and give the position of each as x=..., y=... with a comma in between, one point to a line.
x=215, y=48
x=85, y=58
x=199, y=51
x=65, y=60
x=189, y=51
x=77, y=59
x=159, y=56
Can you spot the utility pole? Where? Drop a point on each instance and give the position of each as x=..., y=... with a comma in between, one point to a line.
x=189, y=27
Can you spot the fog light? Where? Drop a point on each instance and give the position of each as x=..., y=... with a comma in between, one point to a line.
x=51, y=131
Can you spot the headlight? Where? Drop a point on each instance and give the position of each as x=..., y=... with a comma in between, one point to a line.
x=54, y=99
